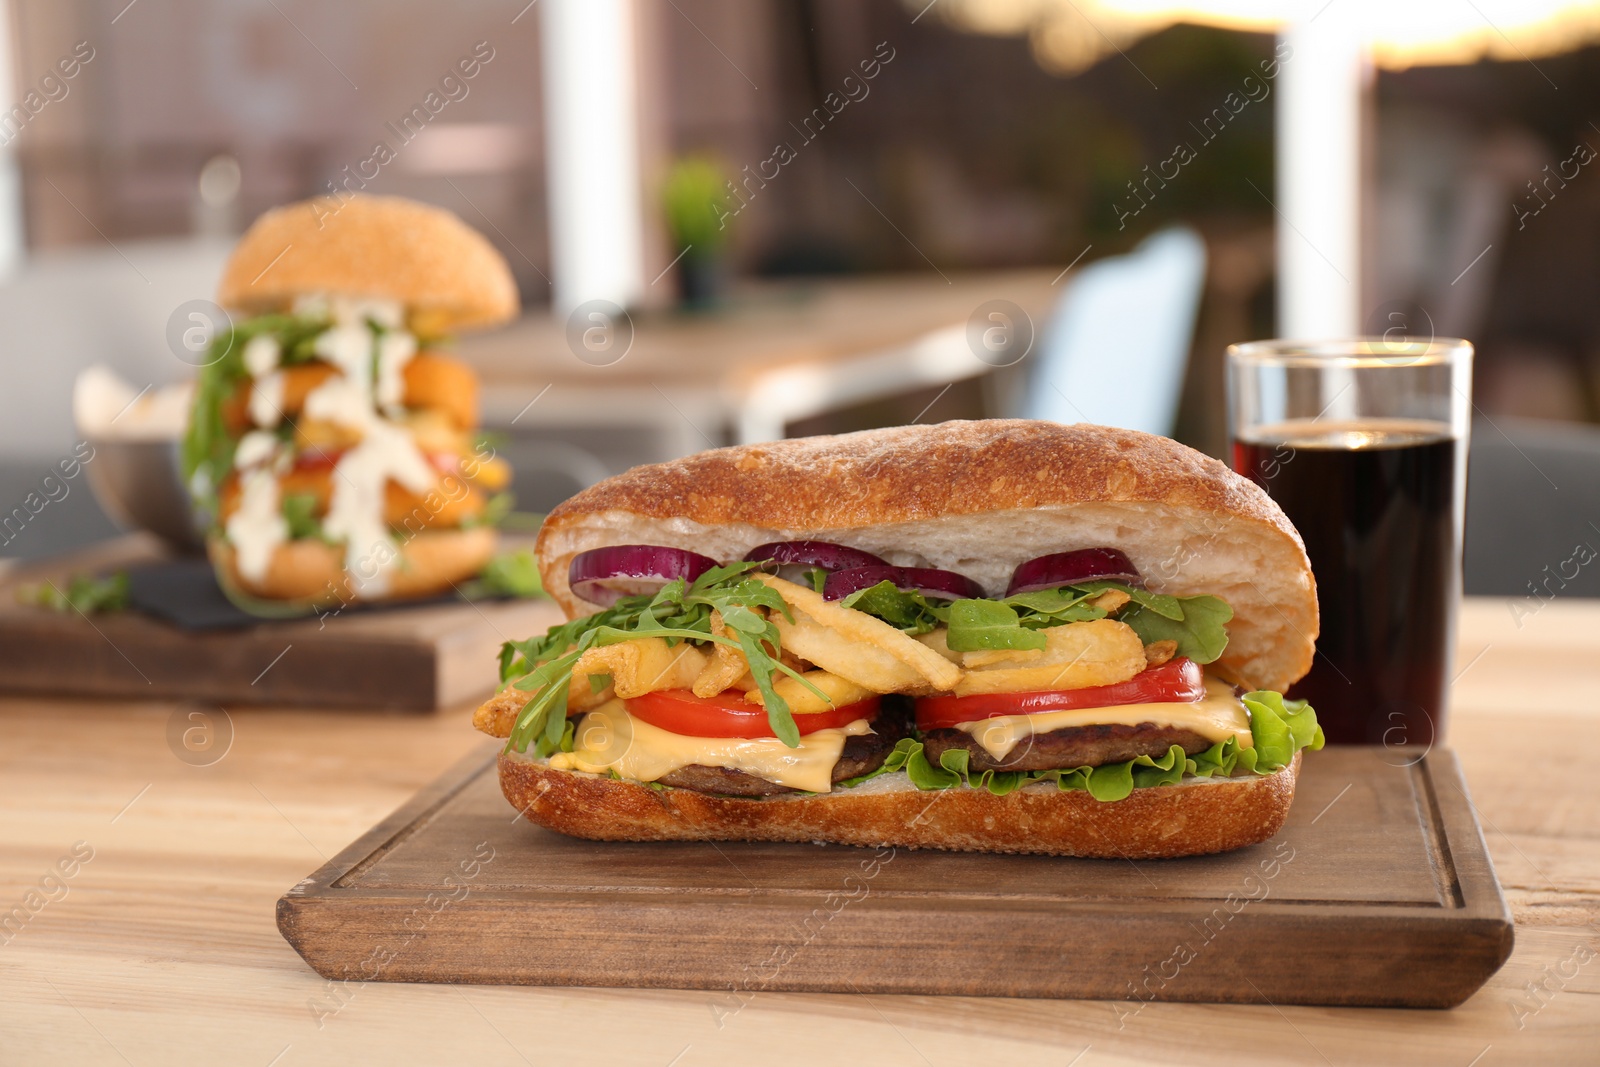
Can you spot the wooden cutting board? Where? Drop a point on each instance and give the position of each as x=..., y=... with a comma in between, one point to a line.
x=1377, y=892
x=410, y=658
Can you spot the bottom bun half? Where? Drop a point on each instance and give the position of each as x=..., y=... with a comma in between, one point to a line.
x=1192, y=818
x=312, y=571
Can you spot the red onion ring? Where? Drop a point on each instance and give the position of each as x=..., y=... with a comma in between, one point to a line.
x=1070, y=568
x=824, y=554
x=929, y=581
x=605, y=575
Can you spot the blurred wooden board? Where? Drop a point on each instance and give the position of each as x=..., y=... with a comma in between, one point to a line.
x=407, y=659
x=1378, y=892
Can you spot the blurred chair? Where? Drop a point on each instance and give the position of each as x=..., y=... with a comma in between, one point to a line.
x=1115, y=350
x=1533, y=510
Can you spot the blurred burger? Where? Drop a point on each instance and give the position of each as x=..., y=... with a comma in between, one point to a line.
x=333, y=441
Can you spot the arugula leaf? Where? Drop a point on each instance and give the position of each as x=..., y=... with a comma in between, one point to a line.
x=679, y=611
x=1196, y=623
x=1053, y=607
x=818, y=579
x=982, y=624
x=911, y=612
x=1199, y=632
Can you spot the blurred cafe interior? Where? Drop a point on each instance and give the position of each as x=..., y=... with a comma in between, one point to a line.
x=720, y=222
x=1159, y=179
x=800, y=208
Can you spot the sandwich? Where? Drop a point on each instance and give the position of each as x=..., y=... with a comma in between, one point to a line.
x=333, y=441
x=1001, y=636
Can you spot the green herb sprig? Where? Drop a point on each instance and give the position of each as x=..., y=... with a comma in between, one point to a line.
x=84, y=593
x=679, y=611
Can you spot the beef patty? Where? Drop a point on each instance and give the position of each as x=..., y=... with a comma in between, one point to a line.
x=1075, y=746
x=861, y=755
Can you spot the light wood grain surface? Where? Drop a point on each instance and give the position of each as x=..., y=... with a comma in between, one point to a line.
x=162, y=948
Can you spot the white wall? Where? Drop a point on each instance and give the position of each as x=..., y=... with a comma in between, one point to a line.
x=63, y=311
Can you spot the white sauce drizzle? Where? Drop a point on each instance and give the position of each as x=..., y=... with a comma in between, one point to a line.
x=258, y=527
x=261, y=355
x=395, y=350
x=370, y=383
x=356, y=510
x=266, y=400
x=255, y=448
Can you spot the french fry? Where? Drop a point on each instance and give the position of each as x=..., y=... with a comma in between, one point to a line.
x=938, y=641
x=498, y=715
x=1111, y=601
x=640, y=666
x=861, y=663
x=725, y=666
x=862, y=635
x=1158, y=652
x=989, y=657
x=1077, y=655
x=802, y=701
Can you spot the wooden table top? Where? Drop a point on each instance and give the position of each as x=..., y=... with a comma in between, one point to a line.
x=162, y=947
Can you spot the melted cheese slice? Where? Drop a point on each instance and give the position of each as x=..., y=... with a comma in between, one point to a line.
x=610, y=739
x=1217, y=716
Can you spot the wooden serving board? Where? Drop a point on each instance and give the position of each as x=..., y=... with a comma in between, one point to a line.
x=1377, y=892
x=409, y=658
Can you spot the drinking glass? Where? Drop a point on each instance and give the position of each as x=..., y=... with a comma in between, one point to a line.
x=1363, y=443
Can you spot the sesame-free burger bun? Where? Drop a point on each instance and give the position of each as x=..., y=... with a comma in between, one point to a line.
x=308, y=570
x=446, y=274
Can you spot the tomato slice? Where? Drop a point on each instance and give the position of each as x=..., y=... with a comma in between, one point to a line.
x=318, y=459
x=730, y=715
x=1177, y=681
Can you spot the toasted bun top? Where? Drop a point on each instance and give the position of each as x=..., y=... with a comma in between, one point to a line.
x=978, y=498
x=446, y=274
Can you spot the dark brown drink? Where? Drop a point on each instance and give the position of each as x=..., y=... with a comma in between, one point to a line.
x=1374, y=503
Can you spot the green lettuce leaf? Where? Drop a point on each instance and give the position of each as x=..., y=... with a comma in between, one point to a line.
x=1279, y=727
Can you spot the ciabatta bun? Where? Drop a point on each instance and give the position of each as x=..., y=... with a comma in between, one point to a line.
x=1192, y=818
x=312, y=572
x=978, y=498
x=446, y=274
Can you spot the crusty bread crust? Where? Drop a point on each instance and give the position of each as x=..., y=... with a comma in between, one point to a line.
x=980, y=498
x=1190, y=819
x=449, y=277
x=311, y=571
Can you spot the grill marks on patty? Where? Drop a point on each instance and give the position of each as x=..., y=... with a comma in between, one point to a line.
x=1074, y=746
